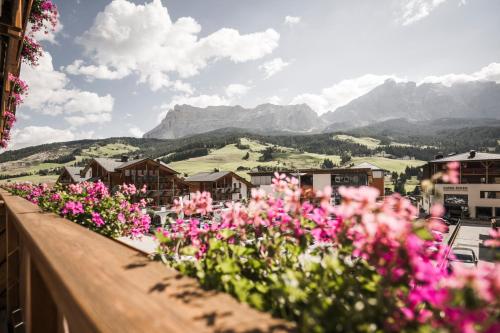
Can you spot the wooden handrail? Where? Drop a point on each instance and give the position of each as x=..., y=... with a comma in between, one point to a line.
x=89, y=283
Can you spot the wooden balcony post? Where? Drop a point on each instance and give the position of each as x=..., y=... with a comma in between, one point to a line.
x=41, y=310
x=3, y=260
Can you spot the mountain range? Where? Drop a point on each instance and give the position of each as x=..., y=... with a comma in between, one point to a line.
x=391, y=100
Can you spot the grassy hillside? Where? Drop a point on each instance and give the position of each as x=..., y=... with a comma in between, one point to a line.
x=223, y=155
x=231, y=158
x=225, y=149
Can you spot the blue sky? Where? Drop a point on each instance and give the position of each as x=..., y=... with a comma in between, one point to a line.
x=116, y=67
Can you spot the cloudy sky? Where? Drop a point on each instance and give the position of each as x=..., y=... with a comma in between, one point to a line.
x=114, y=68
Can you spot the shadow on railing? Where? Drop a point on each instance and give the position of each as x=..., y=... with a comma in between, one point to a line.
x=57, y=276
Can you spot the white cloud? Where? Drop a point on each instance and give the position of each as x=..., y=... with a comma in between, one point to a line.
x=273, y=66
x=95, y=72
x=341, y=93
x=236, y=90
x=49, y=94
x=183, y=87
x=136, y=132
x=37, y=135
x=200, y=101
x=291, y=20
x=411, y=11
x=487, y=73
x=142, y=39
x=274, y=100
x=415, y=10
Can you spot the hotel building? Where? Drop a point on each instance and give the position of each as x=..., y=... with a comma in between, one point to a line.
x=477, y=195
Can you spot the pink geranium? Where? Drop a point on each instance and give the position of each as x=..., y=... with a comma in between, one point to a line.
x=44, y=16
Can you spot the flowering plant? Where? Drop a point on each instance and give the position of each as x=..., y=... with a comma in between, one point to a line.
x=366, y=265
x=32, y=51
x=91, y=205
x=19, y=88
x=43, y=16
x=5, y=139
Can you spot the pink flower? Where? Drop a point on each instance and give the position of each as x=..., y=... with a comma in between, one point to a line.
x=72, y=207
x=452, y=173
x=31, y=51
x=495, y=238
x=44, y=16
x=97, y=219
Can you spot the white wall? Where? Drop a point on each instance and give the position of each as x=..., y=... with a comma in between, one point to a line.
x=243, y=189
x=473, y=193
x=321, y=180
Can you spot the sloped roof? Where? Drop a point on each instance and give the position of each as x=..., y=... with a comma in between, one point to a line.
x=207, y=176
x=467, y=157
x=74, y=173
x=109, y=164
x=366, y=165
x=132, y=162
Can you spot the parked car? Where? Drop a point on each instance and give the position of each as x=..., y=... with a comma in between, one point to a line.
x=452, y=219
x=465, y=256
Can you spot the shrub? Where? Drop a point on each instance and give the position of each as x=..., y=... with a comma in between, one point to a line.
x=363, y=266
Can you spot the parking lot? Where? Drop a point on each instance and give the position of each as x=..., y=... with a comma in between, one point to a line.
x=472, y=235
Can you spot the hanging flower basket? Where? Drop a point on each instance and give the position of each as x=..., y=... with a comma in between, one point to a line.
x=43, y=16
x=31, y=52
x=19, y=88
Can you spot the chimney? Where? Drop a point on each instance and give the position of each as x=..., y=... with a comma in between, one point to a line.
x=472, y=154
x=124, y=158
x=438, y=156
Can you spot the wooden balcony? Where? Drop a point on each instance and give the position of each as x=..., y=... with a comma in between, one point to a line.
x=57, y=276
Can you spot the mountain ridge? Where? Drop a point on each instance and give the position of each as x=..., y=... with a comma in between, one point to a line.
x=185, y=120
x=390, y=100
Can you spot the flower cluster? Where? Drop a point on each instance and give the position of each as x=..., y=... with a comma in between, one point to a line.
x=10, y=119
x=91, y=205
x=365, y=265
x=44, y=16
x=19, y=88
x=32, y=51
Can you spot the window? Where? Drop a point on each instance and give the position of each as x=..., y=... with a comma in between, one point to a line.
x=489, y=194
x=133, y=172
x=306, y=180
x=261, y=180
x=484, y=212
x=127, y=173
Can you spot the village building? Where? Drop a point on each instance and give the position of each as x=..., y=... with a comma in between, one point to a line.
x=72, y=175
x=163, y=184
x=312, y=180
x=222, y=185
x=477, y=195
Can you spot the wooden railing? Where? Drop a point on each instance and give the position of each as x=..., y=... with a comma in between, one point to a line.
x=57, y=276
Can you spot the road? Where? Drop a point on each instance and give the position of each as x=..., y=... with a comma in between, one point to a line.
x=472, y=236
